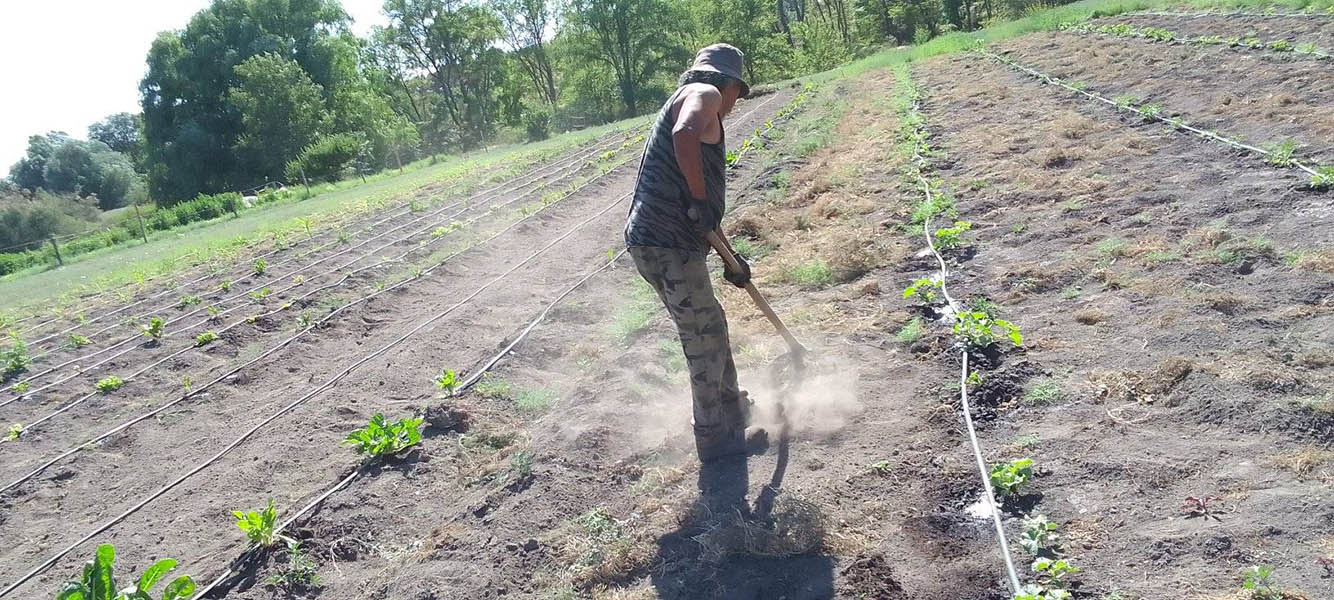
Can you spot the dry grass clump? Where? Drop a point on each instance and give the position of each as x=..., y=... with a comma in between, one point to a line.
x=602, y=551
x=1321, y=260
x=1306, y=463
x=793, y=528
x=1142, y=387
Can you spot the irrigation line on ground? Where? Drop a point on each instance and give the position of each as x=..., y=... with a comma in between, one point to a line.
x=530, y=178
x=1176, y=123
x=301, y=400
x=29, y=426
x=983, y=471
x=1234, y=43
x=211, y=317
x=1200, y=15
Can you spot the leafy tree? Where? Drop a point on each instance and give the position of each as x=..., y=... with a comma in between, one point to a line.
x=453, y=43
x=631, y=37
x=120, y=132
x=750, y=25
x=56, y=163
x=281, y=111
x=525, y=26
x=29, y=172
x=325, y=159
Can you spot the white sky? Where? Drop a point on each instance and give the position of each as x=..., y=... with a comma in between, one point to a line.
x=66, y=64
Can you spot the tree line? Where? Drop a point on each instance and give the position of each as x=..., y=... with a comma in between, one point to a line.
x=256, y=91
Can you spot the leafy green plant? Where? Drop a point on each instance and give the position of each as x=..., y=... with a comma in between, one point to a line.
x=1281, y=46
x=1151, y=112
x=1127, y=101
x=448, y=380
x=15, y=358
x=1044, y=391
x=1009, y=479
x=78, y=341
x=1053, y=571
x=950, y=238
x=534, y=400
x=1280, y=154
x=20, y=388
x=15, y=430
x=980, y=330
x=259, y=295
x=911, y=332
x=1307, y=48
x=493, y=388
x=97, y=582
x=226, y=285
x=303, y=320
x=522, y=464
x=190, y=300
x=206, y=338
x=153, y=330
x=928, y=291
x=260, y=266
x=1256, y=580
x=882, y=467
x=109, y=384
x=1039, y=535
x=813, y=273
x=260, y=526
x=380, y=438
x=1323, y=178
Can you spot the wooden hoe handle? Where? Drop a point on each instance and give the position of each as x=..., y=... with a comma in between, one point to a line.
x=726, y=254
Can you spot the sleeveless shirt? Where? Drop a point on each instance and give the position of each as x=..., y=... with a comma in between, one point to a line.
x=658, y=211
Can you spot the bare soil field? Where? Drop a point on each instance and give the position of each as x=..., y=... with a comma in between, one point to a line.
x=1316, y=28
x=1176, y=300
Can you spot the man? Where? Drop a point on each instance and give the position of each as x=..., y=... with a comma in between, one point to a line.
x=678, y=200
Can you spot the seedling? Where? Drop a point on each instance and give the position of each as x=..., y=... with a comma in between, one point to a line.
x=928, y=291
x=1256, y=581
x=1009, y=479
x=206, y=338
x=153, y=330
x=1203, y=506
x=1323, y=178
x=950, y=238
x=303, y=320
x=20, y=388
x=260, y=526
x=1280, y=46
x=522, y=464
x=974, y=379
x=78, y=341
x=226, y=285
x=1053, y=571
x=911, y=332
x=380, y=438
x=97, y=582
x=259, y=295
x=190, y=301
x=448, y=380
x=15, y=430
x=15, y=358
x=1151, y=112
x=1039, y=535
x=1280, y=154
x=1033, y=591
x=109, y=384
x=299, y=280
x=260, y=266
x=882, y=467
x=978, y=329
x=301, y=570
x=1127, y=101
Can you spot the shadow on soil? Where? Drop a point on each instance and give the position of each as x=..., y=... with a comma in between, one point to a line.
x=725, y=549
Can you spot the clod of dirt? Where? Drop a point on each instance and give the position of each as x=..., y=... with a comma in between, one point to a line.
x=1004, y=384
x=442, y=419
x=870, y=577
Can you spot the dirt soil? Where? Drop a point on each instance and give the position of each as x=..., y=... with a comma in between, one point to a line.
x=1176, y=299
x=1315, y=29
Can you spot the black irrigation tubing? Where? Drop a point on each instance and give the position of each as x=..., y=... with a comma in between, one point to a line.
x=983, y=472
x=301, y=400
x=28, y=427
x=1176, y=123
x=1205, y=41
x=466, y=202
x=560, y=163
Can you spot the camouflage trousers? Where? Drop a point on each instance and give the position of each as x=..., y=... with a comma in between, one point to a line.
x=681, y=279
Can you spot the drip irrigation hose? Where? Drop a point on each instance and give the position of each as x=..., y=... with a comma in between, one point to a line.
x=301, y=400
x=121, y=342
x=1294, y=163
x=1134, y=33
x=529, y=179
x=346, y=277
x=982, y=470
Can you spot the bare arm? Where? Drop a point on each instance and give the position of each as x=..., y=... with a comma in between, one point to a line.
x=699, y=108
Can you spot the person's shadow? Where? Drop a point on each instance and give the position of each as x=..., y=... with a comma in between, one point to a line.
x=728, y=550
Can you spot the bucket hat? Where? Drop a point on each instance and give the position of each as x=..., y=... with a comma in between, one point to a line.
x=725, y=59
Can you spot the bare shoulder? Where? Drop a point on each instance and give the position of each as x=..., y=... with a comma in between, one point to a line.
x=702, y=92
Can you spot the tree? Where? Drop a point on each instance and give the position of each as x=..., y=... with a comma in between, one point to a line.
x=526, y=23
x=631, y=37
x=281, y=112
x=452, y=43
x=120, y=132
x=750, y=25
x=59, y=164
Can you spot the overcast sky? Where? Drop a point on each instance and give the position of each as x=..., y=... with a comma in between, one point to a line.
x=65, y=64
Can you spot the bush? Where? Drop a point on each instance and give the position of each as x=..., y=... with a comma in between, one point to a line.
x=537, y=123
x=11, y=262
x=325, y=160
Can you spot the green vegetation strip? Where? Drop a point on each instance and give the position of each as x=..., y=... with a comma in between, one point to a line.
x=1321, y=176
x=1158, y=34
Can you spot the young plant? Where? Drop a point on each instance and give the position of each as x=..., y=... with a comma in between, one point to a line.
x=928, y=291
x=259, y=295
x=1053, y=572
x=20, y=388
x=259, y=526
x=1280, y=154
x=214, y=312
x=303, y=320
x=1039, y=535
x=97, y=582
x=190, y=301
x=380, y=438
x=1008, y=480
x=78, y=341
x=226, y=285
x=15, y=430
x=882, y=467
x=950, y=238
x=911, y=332
x=301, y=571
x=1256, y=581
x=1203, y=506
x=109, y=384
x=1323, y=178
x=1034, y=591
x=978, y=329
x=153, y=330
x=260, y=266
x=14, y=359
x=206, y=338
x=448, y=380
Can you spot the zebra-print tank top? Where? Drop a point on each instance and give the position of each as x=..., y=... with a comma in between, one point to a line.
x=658, y=212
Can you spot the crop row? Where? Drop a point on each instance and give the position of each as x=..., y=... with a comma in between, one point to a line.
x=260, y=292
x=1159, y=34
x=1320, y=177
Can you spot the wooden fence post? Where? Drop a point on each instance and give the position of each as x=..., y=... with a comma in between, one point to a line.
x=142, y=232
x=59, y=261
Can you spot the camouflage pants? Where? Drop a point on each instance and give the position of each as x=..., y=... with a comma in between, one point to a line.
x=682, y=281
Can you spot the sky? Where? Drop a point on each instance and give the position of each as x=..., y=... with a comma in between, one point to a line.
x=66, y=64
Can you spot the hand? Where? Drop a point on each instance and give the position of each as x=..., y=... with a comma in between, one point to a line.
x=701, y=217
x=738, y=278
